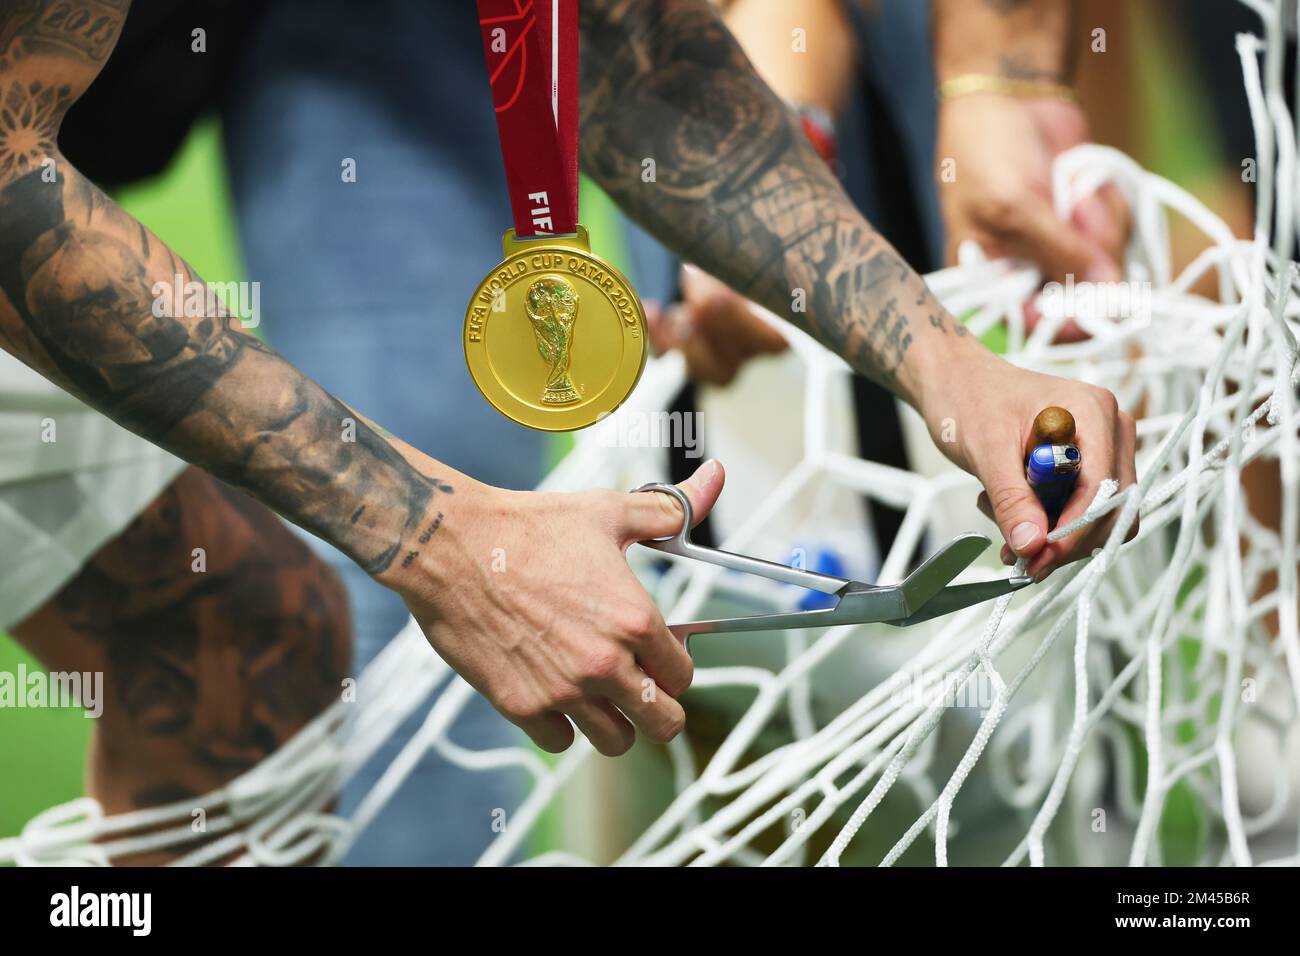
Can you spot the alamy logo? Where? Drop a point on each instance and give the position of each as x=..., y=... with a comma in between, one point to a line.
x=37, y=689
x=636, y=429
x=131, y=910
x=197, y=300
x=1110, y=300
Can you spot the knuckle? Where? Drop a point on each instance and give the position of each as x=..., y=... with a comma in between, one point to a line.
x=601, y=665
x=638, y=622
x=564, y=696
x=1107, y=402
x=997, y=209
x=518, y=709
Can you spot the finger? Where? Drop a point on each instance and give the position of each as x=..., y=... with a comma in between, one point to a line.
x=1128, y=464
x=733, y=328
x=720, y=320
x=728, y=317
x=1104, y=220
x=656, y=713
x=704, y=363
x=602, y=724
x=1006, y=555
x=1078, y=545
x=1016, y=509
x=697, y=285
x=1069, y=332
x=726, y=335
x=552, y=732
x=665, y=661
x=1032, y=231
x=659, y=328
x=654, y=514
x=1098, y=448
x=1095, y=536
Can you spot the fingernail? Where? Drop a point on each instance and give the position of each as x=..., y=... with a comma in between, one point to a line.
x=1023, y=535
x=1008, y=556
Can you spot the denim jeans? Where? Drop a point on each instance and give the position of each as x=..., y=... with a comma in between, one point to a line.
x=364, y=286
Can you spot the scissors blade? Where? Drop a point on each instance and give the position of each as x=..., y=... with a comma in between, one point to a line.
x=960, y=596
x=861, y=603
x=936, y=571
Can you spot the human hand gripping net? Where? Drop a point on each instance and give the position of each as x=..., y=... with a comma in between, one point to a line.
x=1153, y=686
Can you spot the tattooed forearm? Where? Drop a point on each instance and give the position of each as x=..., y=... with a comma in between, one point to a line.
x=79, y=275
x=79, y=280
x=737, y=188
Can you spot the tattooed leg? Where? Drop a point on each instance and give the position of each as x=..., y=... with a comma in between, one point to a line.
x=211, y=659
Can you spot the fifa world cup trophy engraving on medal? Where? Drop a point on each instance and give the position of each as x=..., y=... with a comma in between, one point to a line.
x=555, y=336
x=553, y=307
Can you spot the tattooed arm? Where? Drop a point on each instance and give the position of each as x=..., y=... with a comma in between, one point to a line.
x=739, y=191
x=83, y=290
x=86, y=290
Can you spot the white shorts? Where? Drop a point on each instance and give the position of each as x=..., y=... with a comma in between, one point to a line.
x=70, y=481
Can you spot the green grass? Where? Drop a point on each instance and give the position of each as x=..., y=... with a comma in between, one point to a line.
x=41, y=753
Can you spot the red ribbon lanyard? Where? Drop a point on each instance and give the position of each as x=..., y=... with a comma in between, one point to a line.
x=531, y=48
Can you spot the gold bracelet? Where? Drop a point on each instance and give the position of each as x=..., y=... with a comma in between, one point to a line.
x=968, y=83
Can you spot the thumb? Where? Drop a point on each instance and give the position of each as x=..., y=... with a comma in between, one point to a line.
x=1017, y=510
x=657, y=515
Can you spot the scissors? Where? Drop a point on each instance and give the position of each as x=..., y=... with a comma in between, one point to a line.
x=922, y=595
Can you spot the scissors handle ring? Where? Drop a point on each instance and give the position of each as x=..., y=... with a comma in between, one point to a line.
x=681, y=535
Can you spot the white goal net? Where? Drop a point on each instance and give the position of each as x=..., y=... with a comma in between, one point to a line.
x=1138, y=707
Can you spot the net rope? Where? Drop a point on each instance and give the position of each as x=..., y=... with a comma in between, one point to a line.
x=1213, y=385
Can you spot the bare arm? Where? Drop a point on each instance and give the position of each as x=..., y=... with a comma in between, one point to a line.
x=526, y=595
x=739, y=190
x=78, y=295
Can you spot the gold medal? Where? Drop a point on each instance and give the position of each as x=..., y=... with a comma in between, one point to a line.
x=554, y=336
